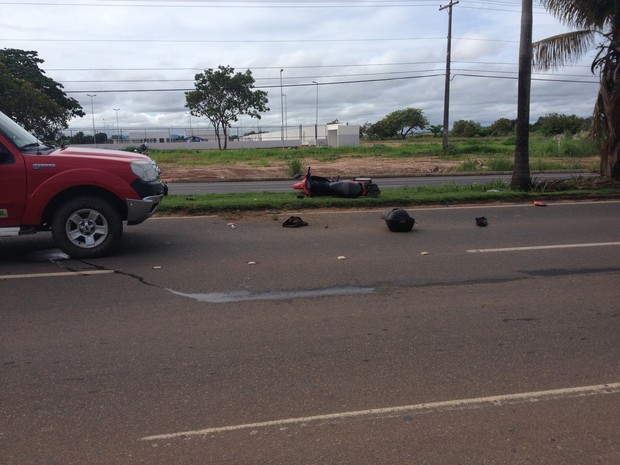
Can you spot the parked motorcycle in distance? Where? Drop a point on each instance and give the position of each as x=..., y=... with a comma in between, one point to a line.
x=317, y=186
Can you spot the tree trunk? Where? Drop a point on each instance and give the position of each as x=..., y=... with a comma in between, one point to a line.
x=216, y=127
x=609, y=103
x=521, y=170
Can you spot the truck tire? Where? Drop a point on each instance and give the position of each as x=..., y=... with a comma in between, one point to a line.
x=87, y=227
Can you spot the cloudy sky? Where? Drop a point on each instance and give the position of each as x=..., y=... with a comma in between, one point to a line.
x=369, y=57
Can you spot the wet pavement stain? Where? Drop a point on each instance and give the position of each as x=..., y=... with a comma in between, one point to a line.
x=246, y=296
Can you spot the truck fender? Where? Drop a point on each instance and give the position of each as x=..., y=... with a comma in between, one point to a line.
x=65, y=181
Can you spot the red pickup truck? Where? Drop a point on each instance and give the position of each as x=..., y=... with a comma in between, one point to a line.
x=83, y=195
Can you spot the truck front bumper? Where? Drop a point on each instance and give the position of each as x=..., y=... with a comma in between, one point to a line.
x=139, y=210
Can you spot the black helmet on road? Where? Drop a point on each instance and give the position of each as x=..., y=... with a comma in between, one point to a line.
x=398, y=220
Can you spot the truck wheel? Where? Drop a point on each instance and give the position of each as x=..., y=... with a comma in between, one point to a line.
x=87, y=227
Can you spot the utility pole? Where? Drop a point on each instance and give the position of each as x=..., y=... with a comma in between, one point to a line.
x=446, y=101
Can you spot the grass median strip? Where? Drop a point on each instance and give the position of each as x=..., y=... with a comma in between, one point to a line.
x=427, y=195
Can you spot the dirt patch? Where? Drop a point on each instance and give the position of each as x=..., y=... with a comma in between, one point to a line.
x=345, y=167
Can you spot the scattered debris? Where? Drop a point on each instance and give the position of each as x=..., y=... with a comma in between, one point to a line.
x=157, y=267
x=294, y=222
x=251, y=263
x=424, y=253
x=232, y=225
x=341, y=257
x=539, y=203
x=482, y=221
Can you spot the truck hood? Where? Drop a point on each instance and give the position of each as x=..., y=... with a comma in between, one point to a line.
x=99, y=153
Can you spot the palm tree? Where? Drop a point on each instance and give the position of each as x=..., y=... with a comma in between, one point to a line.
x=596, y=24
x=521, y=172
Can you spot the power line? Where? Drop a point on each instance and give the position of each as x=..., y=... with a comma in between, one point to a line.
x=489, y=5
x=250, y=41
x=357, y=81
x=344, y=65
x=235, y=5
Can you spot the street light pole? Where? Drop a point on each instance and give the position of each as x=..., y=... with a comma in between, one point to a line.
x=316, y=119
x=118, y=129
x=285, y=116
x=282, y=110
x=92, y=111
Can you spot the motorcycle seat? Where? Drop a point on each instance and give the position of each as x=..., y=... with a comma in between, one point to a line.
x=347, y=189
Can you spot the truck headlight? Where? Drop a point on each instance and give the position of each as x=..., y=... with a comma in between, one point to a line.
x=146, y=170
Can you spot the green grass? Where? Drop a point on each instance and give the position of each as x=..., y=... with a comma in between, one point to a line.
x=492, y=153
x=497, y=191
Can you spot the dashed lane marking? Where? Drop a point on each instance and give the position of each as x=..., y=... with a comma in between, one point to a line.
x=55, y=275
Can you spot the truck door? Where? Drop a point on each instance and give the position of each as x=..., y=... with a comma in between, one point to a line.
x=12, y=186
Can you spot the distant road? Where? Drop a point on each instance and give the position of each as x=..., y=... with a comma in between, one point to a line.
x=226, y=187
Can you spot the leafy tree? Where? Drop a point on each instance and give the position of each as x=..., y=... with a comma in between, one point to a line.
x=554, y=124
x=364, y=130
x=80, y=138
x=398, y=123
x=503, y=127
x=591, y=20
x=222, y=96
x=379, y=130
x=466, y=128
x=34, y=100
x=101, y=138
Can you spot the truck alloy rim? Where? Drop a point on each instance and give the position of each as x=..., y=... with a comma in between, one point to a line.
x=86, y=228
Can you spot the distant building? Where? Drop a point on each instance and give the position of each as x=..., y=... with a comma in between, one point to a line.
x=333, y=135
x=169, y=135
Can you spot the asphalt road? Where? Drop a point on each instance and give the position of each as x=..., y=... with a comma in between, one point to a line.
x=211, y=340
x=227, y=187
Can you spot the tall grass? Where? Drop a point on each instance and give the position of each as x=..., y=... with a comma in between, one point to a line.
x=494, y=153
x=563, y=148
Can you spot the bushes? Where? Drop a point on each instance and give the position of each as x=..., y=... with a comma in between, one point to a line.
x=466, y=128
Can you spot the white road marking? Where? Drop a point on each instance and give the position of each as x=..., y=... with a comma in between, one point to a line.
x=479, y=402
x=545, y=247
x=54, y=275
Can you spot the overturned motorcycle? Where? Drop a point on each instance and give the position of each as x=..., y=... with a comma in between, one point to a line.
x=316, y=186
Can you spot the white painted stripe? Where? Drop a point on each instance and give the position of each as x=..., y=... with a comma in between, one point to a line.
x=54, y=275
x=479, y=402
x=545, y=247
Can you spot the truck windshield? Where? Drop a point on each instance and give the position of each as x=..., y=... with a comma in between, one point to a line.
x=16, y=134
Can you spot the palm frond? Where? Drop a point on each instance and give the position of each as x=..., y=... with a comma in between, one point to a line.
x=557, y=51
x=584, y=14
